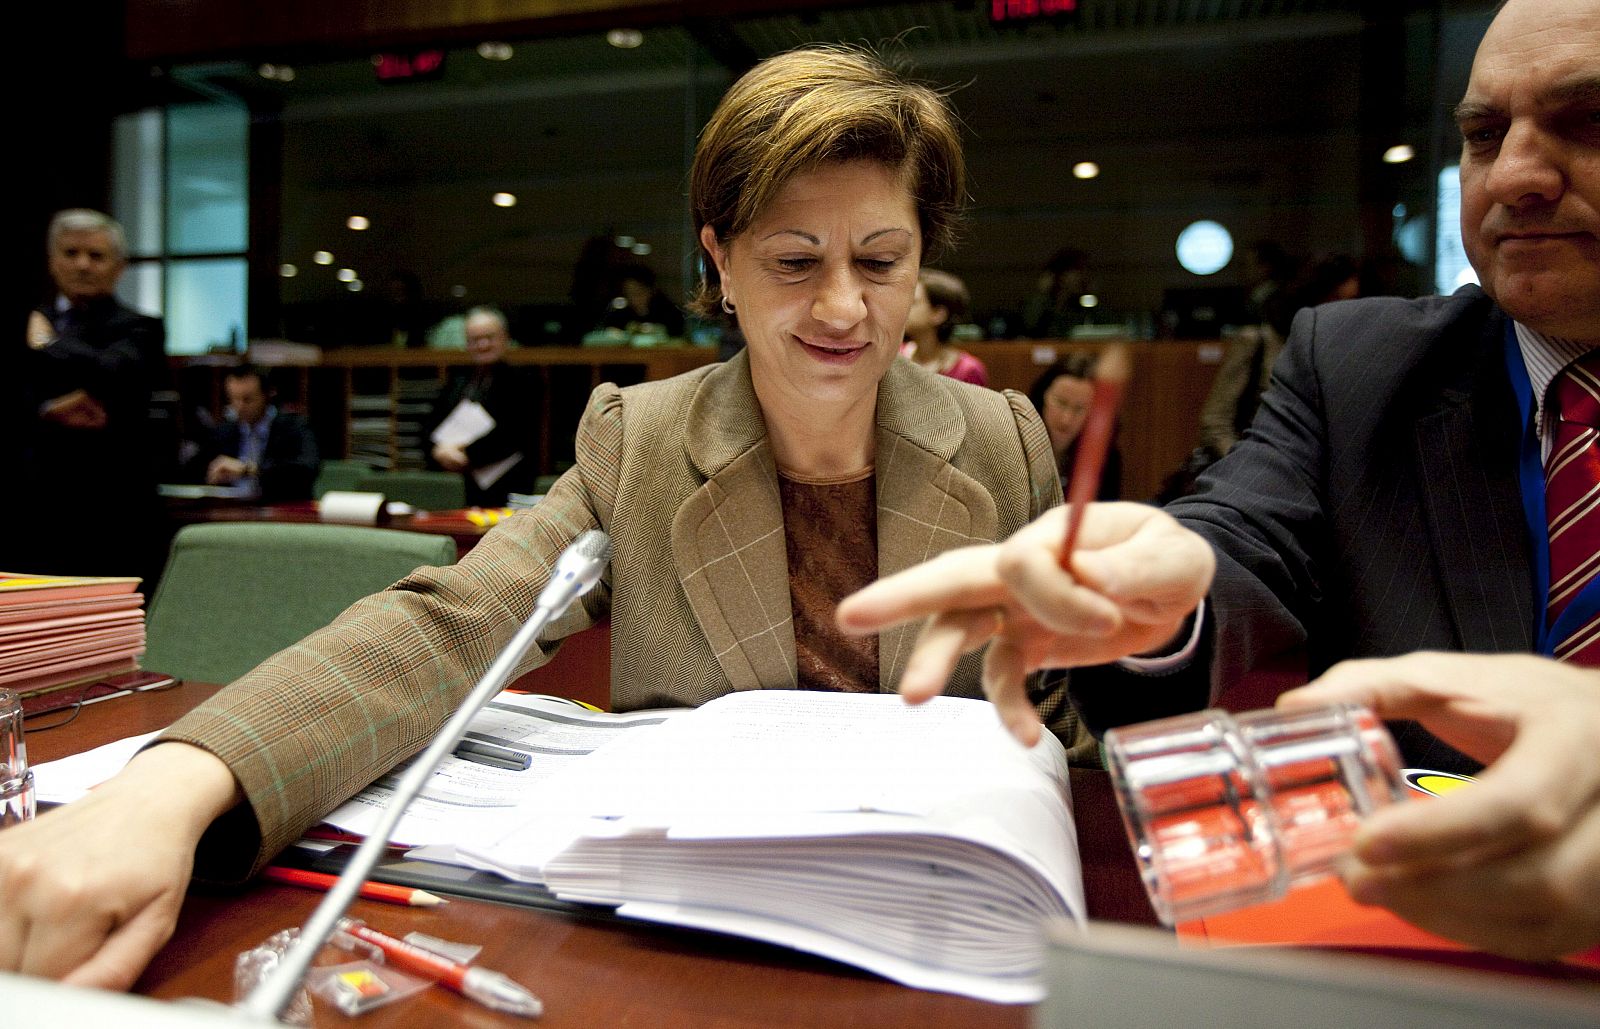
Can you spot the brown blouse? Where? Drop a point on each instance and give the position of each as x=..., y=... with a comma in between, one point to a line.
x=831, y=530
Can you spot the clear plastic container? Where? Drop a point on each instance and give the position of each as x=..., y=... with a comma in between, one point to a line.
x=1225, y=811
x=16, y=779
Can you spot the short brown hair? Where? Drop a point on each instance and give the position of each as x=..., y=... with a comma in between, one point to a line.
x=946, y=291
x=816, y=105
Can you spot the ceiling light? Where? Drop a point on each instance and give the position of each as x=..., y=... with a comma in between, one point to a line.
x=268, y=71
x=357, y=222
x=1088, y=300
x=641, y=249
x=1085, y=170
x=1204, y=247
x=354, y=286
x=625, y=39
x=276, y=72
x=347, y=275
x=288, y=271
x=458, y=291
x=504, y=199
x=625, y=242
x=494, y=51
x=285, y=73
x=322, y=257
x=1399, y=154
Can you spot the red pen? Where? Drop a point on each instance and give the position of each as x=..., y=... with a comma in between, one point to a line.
x=1110, y=376
x=370, y=890
x=491, y=989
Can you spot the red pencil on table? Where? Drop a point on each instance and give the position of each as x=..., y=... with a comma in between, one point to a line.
x=372, y=891
x=491, y=989
x=1110, y=377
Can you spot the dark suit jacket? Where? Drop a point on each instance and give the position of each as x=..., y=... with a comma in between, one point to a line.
x=505, y=392
x=289, y=464
x=117, y=356
x=1372, y=509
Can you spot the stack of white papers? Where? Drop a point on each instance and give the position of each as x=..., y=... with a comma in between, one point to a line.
x=921, y=843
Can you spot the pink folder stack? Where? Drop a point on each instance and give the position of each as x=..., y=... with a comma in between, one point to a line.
x=59, y=631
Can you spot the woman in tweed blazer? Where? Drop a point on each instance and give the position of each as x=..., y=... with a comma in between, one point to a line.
x=820, y=184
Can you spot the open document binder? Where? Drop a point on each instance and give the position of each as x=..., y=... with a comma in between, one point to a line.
x=920, y=843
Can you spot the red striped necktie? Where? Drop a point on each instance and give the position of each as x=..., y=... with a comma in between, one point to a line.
x=1572, y=502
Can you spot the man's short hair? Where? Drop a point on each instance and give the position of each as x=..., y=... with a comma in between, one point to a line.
x=485, y=311
x=946, y=291
x=248, y=371
x=83, y=219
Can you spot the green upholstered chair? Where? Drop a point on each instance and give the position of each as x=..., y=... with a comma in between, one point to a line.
x=234, y=594
x=431, y=491
x=339, y=474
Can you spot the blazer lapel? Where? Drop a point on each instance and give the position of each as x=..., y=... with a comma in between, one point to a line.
x=925, y=504
x=1467, y=453
x=727, y=537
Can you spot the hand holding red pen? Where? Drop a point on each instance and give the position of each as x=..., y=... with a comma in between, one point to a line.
x=1136, y=575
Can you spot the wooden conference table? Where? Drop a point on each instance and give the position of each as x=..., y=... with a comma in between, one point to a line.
x=588, y=973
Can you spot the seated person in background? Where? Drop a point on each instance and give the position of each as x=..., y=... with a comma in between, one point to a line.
x=1061, y=394
x=482, y=424
x=742, y=501
x=639, y=305
x=940, y=304
x=1511, y=865
x=1246, y=368
x=270, y=452
x=1056, y=306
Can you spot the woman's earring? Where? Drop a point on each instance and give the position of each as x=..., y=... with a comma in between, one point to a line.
x=727, y=305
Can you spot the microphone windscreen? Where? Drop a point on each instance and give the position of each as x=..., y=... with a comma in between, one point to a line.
x=593, y=544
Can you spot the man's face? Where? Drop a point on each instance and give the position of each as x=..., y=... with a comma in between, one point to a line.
x=85, y=265
x=487, y=338
x=246, y=399
x=1530, y=165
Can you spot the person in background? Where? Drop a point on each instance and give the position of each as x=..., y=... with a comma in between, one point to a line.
x=742, y=501
x=88, y=365
x=1056, y=306
x=482, y=424
x=1246, y=368
x=1061, y=394
x=640, y=308
x=271, y=453
x=941, y=303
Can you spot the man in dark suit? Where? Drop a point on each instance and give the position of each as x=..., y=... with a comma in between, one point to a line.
x=270, y=452
x=1391, y=495
x=87, y=370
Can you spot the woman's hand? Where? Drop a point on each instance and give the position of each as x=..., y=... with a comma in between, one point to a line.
x=1136, y=576
x=92, y=889
x=1510, y=864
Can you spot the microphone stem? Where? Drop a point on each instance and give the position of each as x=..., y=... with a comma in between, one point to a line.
x=273, y=994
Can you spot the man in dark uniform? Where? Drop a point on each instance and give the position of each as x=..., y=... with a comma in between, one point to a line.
x=86, y=375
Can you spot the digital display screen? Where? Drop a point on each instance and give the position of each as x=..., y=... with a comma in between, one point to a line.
x=421, y=64
x=1027, y=10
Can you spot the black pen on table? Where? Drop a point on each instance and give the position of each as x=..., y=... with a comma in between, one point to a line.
x=481, y=753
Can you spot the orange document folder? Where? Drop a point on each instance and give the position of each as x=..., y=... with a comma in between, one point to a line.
x=1322, y=914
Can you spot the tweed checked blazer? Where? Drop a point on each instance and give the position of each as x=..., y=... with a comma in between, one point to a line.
x=681, y=475
x=1371, y=510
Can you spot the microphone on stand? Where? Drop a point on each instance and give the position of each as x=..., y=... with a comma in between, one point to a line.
x=577, y=570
